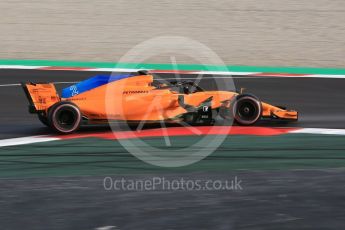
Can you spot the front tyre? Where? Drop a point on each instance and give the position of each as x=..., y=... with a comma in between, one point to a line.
x=64, y=117
x=246, y=109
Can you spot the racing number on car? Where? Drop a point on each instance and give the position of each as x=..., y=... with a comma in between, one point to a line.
x=74, y=90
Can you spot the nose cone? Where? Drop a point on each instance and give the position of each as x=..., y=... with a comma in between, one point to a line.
x=286, y=114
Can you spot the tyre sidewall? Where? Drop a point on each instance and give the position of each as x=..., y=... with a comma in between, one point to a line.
x=256, y=102
x=43, y=119
x=53, y=119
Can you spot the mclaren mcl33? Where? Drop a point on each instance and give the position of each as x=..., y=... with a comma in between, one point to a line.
x=139, y=98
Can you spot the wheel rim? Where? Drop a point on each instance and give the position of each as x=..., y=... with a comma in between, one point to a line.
x=247, y=110
x=66, y=118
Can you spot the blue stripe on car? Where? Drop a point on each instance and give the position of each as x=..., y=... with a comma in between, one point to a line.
x=90, y=84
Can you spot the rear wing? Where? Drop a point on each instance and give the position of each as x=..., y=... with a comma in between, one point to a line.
x=41, y=96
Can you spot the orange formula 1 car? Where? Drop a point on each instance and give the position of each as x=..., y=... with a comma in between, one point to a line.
x=138, y=98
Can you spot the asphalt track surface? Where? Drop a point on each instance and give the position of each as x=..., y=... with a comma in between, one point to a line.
x=268, y=200
x=282, y=199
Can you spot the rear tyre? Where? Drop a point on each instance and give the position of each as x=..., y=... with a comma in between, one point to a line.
x=246, y=109
x=64, y=117
x=43, y=119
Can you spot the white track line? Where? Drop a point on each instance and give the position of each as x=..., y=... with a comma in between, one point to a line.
x=65, y=82
x=224, y=73
x=320, y=131
x=61, y=82
x=113, y=70
x=46, y=138
x=158, y=79
x=7, y=85
x=26, y=140
x=216, y=77
x=245, y=74
x=21, y=67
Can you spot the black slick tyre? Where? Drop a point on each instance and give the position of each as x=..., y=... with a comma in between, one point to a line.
x=64, y=117
x=246, y=109
x=43, y=119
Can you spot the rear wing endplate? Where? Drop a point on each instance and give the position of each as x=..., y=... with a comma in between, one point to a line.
x=41, y=96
